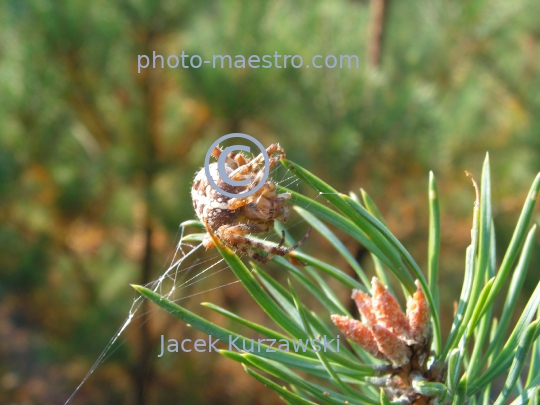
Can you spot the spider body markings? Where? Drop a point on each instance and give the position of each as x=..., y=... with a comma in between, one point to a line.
x=231, y=219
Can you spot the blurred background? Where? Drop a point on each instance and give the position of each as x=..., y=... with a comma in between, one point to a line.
x=96, y=160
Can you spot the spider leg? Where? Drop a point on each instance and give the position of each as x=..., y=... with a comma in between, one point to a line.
x=278, y=250
x=207, y=242
x=266, y=258
x=256, y=174
x=299, y=243
x=233, y=160
x=233, y=236
x=270, y=151
x=252, y=165
x=217, y=152
x=265, y=209
x=282, y=241
x=265, y=190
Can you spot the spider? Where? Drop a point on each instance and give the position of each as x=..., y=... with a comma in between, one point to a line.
x=231, y=218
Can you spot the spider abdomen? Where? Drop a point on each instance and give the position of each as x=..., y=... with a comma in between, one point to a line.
x=211, y=206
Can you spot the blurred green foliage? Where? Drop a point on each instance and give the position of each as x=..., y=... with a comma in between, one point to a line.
x=96, y=159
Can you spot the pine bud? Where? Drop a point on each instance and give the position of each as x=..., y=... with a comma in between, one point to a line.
x=418, y=315
x=365, y=306
x=387, y=310
x=391, y=346
x=358, y=333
